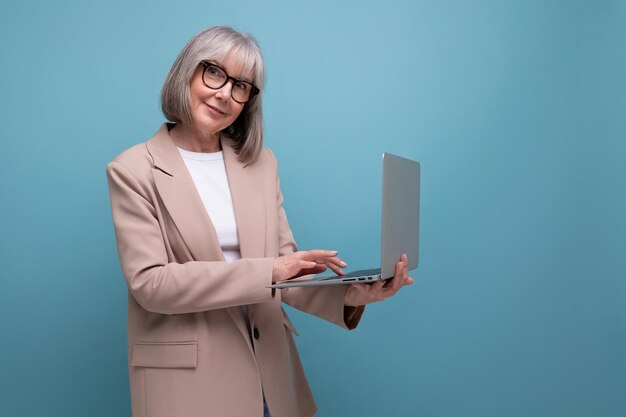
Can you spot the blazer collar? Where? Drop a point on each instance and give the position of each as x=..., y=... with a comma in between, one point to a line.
x=164, y=152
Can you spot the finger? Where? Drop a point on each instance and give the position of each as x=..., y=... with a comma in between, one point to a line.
x=398, y=279
x=315, y=254
x=405, y=260
x=336, y=264
x=336, y=261
x=306, y=267
x=307, y=264
x=400, y=275
x=317, y=269
x=407, y=279
x=335, y=269
x=313, y=271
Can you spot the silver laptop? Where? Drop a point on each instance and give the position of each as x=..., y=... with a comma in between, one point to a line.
x=400, y=226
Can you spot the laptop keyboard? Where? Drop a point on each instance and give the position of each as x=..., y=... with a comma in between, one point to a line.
x=363, y=272
x=360, y=273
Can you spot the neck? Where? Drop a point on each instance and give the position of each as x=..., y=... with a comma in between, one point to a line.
x=192, y=139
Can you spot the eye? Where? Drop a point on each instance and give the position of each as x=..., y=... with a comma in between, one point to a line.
x=242, y=86
x=213, y=71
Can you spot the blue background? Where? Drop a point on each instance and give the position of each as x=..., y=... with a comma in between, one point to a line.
x=516, y=110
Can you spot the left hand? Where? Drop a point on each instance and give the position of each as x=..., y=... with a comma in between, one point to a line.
x=361, y=294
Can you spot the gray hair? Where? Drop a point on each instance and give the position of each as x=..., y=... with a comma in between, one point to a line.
x=216, y=43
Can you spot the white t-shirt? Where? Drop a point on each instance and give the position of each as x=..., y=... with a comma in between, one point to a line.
x=209, y=175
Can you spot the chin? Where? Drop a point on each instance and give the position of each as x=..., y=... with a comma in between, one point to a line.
x=208, y=125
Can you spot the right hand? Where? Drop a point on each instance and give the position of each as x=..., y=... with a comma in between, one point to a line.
x=306, y=262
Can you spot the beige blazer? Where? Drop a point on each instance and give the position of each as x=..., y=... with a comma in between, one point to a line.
x=190, y=353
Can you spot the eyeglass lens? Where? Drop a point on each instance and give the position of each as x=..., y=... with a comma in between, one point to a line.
x=214, y=77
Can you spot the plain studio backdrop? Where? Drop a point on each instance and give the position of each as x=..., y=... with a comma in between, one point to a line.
x=515, y=109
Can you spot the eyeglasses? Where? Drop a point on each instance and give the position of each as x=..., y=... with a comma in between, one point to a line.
x=216, y=77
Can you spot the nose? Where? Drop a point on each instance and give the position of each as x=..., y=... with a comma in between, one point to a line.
x=224, y=93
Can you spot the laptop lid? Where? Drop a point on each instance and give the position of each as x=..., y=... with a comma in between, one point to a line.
x=400, y=212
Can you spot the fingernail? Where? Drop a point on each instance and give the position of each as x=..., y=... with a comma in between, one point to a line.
x=343, y=264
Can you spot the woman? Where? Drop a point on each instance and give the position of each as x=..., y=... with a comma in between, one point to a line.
x=201, y=234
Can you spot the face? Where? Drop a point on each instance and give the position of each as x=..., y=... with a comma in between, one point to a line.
x=214, y=110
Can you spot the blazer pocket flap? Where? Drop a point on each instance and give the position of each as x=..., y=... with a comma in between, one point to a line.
x=288, y=324
x=165, y=354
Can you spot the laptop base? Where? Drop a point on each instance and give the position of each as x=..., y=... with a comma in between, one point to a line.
x=357, y=277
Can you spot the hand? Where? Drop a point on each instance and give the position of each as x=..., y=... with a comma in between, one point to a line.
x=361, y=294
x=306, y=262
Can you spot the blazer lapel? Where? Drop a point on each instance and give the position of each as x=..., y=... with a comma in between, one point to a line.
x=246, y=189
x=180, y=196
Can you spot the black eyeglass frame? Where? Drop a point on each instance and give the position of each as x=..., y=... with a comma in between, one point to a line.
x=253, y=91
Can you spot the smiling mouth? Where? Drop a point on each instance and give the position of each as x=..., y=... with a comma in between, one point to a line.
x=215, y=109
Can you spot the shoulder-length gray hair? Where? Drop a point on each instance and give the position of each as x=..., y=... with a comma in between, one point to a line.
x=216, y=43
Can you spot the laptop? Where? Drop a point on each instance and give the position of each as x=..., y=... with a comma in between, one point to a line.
x=400, y=227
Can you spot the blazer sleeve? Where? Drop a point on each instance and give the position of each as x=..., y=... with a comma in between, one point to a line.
x=326, y=302
x=161, y=286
